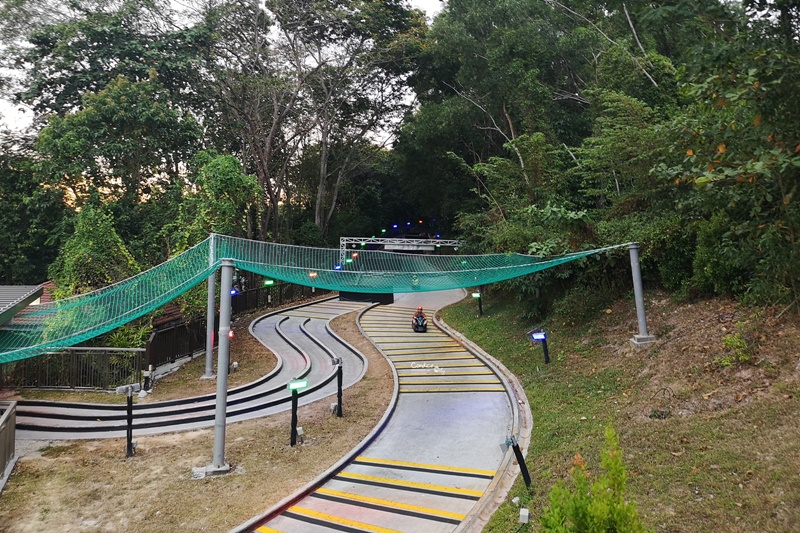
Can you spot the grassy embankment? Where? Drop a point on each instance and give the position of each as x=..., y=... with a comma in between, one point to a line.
x=706, y=445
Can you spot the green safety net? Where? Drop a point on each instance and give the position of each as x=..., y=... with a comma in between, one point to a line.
x=63, y=323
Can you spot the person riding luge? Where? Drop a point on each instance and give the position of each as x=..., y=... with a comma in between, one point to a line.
x=419, y=322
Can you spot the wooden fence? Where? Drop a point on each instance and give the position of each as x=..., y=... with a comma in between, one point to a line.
x=8, y=423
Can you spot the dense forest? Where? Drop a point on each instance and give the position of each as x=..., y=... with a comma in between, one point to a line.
x=532, y=126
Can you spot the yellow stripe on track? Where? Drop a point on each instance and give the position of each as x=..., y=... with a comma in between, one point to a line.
x=339, y=520
x=391, y=504
x=406, y=351
x=411, y=484
x=265, y=529
x=458, y=389
x=462, y=382
x=407, y=358
x=441, y=468
x=394, y=339
x=442, y=365
x=432, y=372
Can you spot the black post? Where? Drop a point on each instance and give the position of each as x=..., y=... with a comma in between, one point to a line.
x=523, y=468
x=480, y=303
x=293, y=439
x=129, y=447
x=339, y=390
x=546, y=353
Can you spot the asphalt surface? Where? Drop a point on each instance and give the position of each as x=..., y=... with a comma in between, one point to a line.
x=434, y=464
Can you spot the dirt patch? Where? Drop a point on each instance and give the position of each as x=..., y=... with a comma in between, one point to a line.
x=710, y=356
x=90, y=486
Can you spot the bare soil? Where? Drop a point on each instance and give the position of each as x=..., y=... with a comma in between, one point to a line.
x=89, y=486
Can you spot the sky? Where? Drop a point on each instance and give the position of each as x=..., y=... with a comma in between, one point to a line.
x=17, y=117
x=431, y=7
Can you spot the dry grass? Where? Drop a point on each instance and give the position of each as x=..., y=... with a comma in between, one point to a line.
x=90, y=486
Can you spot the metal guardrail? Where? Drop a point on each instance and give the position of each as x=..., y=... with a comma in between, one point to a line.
x=8, y=423
x=76, y=368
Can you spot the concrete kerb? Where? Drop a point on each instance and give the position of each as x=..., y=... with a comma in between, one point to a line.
x=340, y=464
x=498, y=489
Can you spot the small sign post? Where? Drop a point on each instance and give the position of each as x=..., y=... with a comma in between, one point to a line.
x=541, y=336
x=338, y=363
x=295, y=386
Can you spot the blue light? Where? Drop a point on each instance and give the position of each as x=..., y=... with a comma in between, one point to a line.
x=438, y=236
x=234, y=292
x=539, y=335
x=408, y=223
x=337, y=266
x=394, y=226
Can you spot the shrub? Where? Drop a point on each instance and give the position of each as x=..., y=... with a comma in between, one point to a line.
x=599, y=507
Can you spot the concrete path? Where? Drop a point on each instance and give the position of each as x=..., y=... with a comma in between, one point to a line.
x=437, y=463
x=300, y=339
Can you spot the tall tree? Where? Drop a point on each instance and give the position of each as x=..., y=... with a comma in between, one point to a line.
x=93, y=257
x=33, y=218
x=124, y=136
x=82, y=46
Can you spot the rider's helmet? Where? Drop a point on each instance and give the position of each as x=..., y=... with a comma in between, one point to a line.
x=419, y=309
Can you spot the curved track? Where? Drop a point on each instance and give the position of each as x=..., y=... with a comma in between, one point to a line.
x=299, y=338
x=434, y=466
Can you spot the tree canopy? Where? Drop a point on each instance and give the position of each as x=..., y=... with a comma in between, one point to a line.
x=516, y=125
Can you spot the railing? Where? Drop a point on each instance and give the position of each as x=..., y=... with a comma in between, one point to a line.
x=76, y=368
x=167, y=345
x=8, y=423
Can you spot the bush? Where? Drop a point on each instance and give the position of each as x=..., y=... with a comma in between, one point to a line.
x=598, y=508
x=722, y=265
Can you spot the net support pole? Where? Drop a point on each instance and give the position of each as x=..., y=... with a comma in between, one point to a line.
x=643, y=338
x=212, y=281
x=210, y=314
x=219, y=466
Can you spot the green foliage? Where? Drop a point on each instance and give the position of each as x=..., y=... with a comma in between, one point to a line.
x=84, y=47
x=740, y=139
x=596, y=507
x=93, y=257
x=32, y=218
x=222, y=202
x=665, y=240
x=309, y=234
x=741, y=346
x=133, y=335
x=124, y=135
x=721, y=264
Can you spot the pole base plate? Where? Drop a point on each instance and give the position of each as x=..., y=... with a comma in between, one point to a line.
x=200, y=472
x=642, y=341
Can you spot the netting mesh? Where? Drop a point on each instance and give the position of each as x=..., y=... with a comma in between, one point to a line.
x=67, y=322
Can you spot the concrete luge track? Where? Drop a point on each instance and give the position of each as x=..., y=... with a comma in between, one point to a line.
x=299, y=337
x=436, y=464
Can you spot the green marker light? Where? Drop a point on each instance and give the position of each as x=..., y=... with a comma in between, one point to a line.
x=297, y=384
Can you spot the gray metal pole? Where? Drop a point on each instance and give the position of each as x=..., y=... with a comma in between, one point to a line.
x=643, y=338
x=210, y=314
x=223, y=356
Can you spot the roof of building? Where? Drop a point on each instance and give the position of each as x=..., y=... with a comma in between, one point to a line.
x=15, y=298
